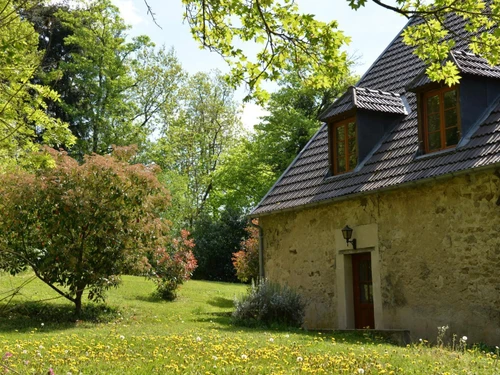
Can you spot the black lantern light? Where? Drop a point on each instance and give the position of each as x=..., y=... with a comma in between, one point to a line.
x=347, y=234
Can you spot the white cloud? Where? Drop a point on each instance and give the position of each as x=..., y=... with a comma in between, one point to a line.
x=251, y=114
x=129, y=12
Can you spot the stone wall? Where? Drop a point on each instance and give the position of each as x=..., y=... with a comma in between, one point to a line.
x=438, y=255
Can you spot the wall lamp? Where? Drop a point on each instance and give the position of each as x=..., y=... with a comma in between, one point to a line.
x=347, y=234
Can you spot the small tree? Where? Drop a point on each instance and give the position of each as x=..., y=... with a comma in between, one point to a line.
x=246, y=261
x=78, y=227
x=170, y=267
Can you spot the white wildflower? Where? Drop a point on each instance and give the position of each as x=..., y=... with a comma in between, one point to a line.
x=300, y=359
x=42, y=324
x=41, y=347
x=215, y=358
x=122, y=337
x=361, y=371
x=25, y=351
x=198, y=338
x=464, y=338
x=271, y=339
x=287, y=335
x=244, y=356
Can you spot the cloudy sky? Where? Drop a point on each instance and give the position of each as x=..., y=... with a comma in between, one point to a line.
x=371, y=29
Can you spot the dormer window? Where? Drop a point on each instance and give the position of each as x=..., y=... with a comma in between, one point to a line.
x=357, y=121
x=345, y=151
x=441, y=120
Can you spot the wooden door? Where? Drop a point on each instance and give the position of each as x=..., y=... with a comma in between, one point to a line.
x=362, y=291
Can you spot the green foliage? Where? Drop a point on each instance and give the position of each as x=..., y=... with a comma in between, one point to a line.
x=432, y=39
x=193, y=142
x=79, y=227
x=246, y=261
x=216, y=240
x=100, y=72
x=291, y=41
x=269, y=303
x=24, y=122
x=169, y=268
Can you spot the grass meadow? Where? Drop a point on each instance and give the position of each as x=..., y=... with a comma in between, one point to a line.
x=134, y=333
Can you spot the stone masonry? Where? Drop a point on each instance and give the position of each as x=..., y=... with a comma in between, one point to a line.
x=438, y=255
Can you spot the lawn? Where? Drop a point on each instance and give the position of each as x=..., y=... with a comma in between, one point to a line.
x=193, y=335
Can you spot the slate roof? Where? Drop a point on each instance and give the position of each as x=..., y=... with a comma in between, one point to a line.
x=394, y=161
x=364, y=98
x=466, y=62
x=471, y=64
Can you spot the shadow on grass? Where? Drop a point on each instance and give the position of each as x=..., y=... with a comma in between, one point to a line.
x=223, y=303
x=152, y=297
x=29, y=315
x=226, y=323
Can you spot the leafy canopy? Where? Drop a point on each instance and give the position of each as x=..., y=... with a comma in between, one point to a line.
x=24, y=122
x=78, y=227
x=298, y=43
x=289, y=40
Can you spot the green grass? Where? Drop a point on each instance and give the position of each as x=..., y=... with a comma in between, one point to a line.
x=138, y=334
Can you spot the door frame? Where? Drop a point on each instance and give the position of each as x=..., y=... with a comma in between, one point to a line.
x=367, y=236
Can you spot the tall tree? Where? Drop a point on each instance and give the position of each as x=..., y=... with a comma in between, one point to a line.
x=100, y=71
x=24, y=122
x=158, y=77
x=194, y=140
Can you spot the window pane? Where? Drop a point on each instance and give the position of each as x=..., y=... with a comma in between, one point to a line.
x=433, y=122
x=452, y=136
x=435, y=141
x=341, y=133
x=366, y=293
x=450, y=118
x=341, y=167
x=353, y=157
x=341, y=162
x=351, y=130
x=433, y=104
x=450, y=99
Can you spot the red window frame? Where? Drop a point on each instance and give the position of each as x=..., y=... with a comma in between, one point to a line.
x=442, y=123
x=334, y=145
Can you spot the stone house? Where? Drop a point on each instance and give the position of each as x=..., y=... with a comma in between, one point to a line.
x=413, y=167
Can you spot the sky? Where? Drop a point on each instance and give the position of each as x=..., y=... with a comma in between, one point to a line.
x=371, y=29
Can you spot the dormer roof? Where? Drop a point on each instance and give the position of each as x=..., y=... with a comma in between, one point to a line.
x=369, y=99
x=466, y=62
x=394, y=161
x=469, y=63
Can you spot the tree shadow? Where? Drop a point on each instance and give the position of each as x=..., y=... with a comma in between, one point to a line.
x=42, y=316
x=226, y=323
x=152, y=297
x=223, y=303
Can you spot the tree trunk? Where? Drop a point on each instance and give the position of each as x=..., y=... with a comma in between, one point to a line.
x=78, y=303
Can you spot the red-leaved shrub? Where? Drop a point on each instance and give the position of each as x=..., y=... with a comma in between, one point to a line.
x=246, y=261
x=169, y=268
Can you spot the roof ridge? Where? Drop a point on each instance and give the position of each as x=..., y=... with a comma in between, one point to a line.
x=377, y=91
